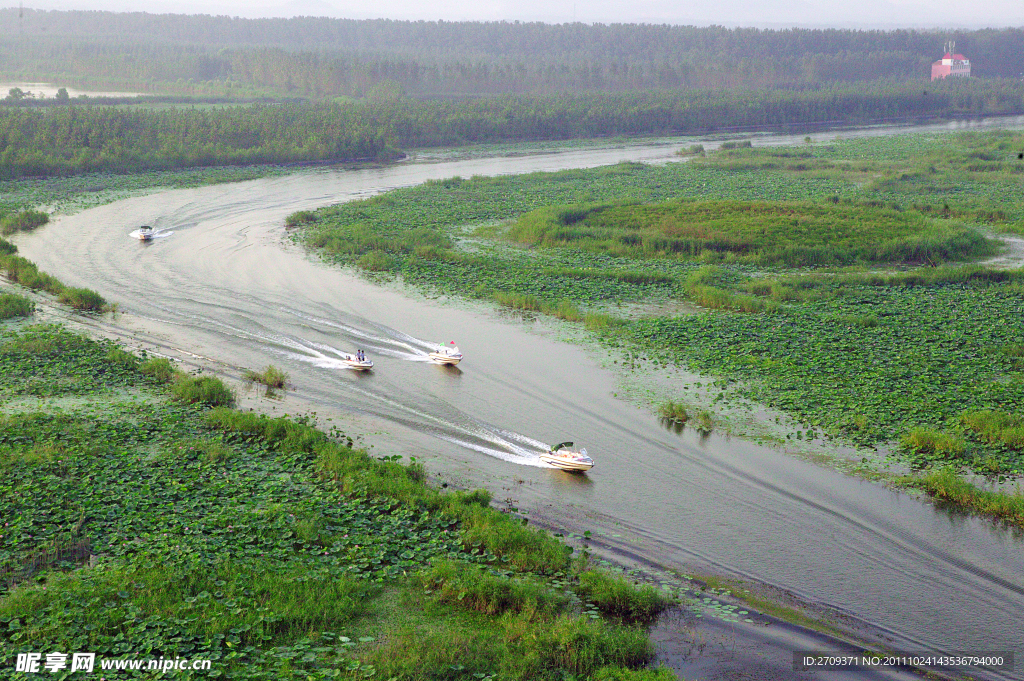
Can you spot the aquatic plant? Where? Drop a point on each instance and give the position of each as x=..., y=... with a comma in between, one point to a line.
x=13, y=305
x=160, y=368
x=24, y=221
x=673, y=411
x=319, y=545
x=270, y=376
x=615, y=596
x=946, y=485
x=202, y=390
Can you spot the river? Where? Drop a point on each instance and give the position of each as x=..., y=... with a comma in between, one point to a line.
x=228, y=285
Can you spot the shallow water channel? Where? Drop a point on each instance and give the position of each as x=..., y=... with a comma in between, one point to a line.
x=227, y=285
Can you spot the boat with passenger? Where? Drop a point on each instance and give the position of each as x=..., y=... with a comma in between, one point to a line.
x=565, y=457
x=446, y=354
x=357, y=361
x=145, y=233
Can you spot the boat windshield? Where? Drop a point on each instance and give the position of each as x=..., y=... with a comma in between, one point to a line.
x=583, y=452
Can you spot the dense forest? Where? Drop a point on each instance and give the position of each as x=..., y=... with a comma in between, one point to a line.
x=74, y=138
x=325, y=58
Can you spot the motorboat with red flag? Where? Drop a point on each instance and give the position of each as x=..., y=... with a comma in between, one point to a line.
x=446, y=354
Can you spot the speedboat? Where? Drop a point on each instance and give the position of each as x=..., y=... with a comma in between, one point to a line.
x=563, y=456
x=446, y=354
x=145, y=233
x=353, y=362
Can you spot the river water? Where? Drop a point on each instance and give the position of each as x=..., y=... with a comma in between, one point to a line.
x=226, y=284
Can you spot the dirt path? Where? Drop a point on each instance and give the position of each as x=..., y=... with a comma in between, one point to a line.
x=1013, y=258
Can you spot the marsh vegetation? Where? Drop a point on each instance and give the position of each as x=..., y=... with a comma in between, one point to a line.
x=782, y=246
x=326, y=563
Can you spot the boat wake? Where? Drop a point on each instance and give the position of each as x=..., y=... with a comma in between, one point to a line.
x=383, y=340
x=155, y=234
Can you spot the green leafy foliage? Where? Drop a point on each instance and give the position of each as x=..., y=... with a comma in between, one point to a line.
x=764, y=233
x=615, y=596
x=13, y=305
x=944, y=484
x=25, y=221
x=256, y=542
x=870, y=383
x=203, y=390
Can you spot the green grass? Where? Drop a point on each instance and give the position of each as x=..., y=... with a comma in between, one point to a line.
x=13, y=305
x=24, y=221
x=615, y=596
x=25, y=272
x=160, y=369
x=996, y=427
x=82, y=299
x=760, y=232
x=931, y=443
x=202, y=390
x=946, y=485
x=271, y=377
x=674, y=411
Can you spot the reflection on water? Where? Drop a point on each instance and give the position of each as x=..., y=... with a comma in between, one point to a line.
x=228, y=287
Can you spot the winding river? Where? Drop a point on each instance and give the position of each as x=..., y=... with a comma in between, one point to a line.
x=226, y=284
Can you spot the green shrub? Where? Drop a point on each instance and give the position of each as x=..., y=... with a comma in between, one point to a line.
x=376, y=261
x=121, y=357
x=82, y=299
x=271, y=377
x=673, y=411
x=996, y=427
x=930, y=441
x=13, y=305
x=945, y=484
x=472, y=586
x=24, y=221
x=203, y=390
x=159, y=368
x=613, y=595
x=7, y=248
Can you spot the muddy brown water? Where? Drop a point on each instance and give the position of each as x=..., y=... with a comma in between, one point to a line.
x=227, y=285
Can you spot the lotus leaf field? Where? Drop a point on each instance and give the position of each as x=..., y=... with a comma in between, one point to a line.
x=853, y=353
x=137, y=525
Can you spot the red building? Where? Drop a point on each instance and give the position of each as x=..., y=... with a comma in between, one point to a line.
x=951, y=64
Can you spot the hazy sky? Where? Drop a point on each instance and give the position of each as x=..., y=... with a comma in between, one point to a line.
x=861, y=13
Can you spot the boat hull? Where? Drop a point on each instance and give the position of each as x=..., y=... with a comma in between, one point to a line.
x=357, y=365
x=572, y=465
x=442, y=358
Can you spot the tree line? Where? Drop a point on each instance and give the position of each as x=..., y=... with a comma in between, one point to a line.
x=75, y=138
x=324, y=58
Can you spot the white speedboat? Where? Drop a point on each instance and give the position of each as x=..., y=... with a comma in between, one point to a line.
x=145, y=233
x=563, y=456
x=446, y=354
x=353, y=362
